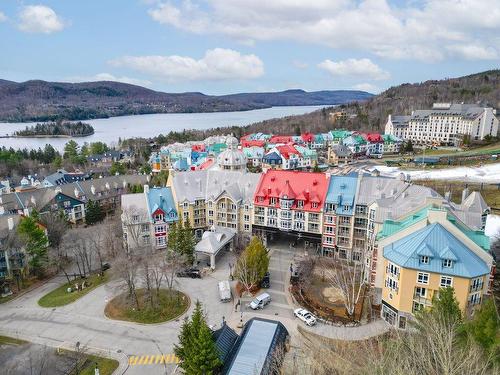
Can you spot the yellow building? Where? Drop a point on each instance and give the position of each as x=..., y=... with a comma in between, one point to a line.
x=425, y=258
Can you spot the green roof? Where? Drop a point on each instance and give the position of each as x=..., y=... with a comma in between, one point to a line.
x=391, y=227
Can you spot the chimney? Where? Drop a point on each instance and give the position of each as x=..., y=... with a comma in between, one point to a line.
x=146, y=189
x=10, y=222
x=465, y=194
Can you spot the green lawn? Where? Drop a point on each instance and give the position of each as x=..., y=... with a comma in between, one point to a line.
x=106, y=365
x=5, y=340
x=172, y=305
x=60, y=296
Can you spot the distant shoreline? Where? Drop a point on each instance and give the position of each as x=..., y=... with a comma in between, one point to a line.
x=47, y=136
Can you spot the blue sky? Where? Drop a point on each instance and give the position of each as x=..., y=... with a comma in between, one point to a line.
x=227, y=46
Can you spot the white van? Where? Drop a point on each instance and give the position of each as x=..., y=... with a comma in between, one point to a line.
x=260, y=301
x=224, y=291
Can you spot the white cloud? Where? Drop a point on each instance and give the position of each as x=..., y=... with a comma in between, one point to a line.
x=368, y=87
x=364, y=68
x=3, y=17
x=424, y=30
x=216, y=64
x=39, y=19
x=473, y=52
x=111, y=77
x=300, y=64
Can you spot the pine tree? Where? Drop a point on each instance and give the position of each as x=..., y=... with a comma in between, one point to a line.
x=173, y=241
x=197, y=350
x=93, y=212
x=484, y=328
x=187, y=241
x=36, y=243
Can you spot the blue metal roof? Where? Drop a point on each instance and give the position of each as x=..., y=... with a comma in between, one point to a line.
x=438, y=244
x=341, y=192
x=161, y=198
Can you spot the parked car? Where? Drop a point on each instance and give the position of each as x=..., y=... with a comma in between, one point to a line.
x=105, y=266
x=193, y=273
x=266, y=281
x=305, y=316
x=224, y=291
x=260, y=301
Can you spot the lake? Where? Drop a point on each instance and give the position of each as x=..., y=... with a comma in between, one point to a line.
x=110, y=129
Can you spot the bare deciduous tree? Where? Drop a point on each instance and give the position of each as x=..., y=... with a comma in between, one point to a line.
x=246, y=274
x=349, y=279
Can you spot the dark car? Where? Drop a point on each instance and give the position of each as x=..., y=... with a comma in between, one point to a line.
x=266, y=281
x=193, y=273
x=105, y=267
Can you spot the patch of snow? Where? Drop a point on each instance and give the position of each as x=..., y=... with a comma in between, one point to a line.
x=492, y=228
x=489, y=173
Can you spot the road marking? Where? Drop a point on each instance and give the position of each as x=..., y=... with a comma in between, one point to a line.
x=137, y=360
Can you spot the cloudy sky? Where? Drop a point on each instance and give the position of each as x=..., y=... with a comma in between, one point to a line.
x=226, y=46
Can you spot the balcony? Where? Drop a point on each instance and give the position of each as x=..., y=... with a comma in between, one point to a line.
x=422, y=300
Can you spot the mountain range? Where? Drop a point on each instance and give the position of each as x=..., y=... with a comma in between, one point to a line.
x=371, y=115
x=48, y=101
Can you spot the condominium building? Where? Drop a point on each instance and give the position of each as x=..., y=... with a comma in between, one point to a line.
x=428, y=250
x=290, y=202
x=215, y=197
x=445, y=124
x=146, y=217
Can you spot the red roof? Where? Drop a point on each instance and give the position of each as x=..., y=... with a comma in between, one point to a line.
x=307, y=186
x=372, y=137
x=281, y=139
x=198, y=147
x=287, y=150
x=206, y=164
x=252, y=143
x=307, y=137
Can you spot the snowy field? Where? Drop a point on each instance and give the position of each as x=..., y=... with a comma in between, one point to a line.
x=492, y=226
x=489, y=173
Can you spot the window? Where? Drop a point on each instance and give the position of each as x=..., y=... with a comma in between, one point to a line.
x=144, y=228
x=417, y=307
x=446, y=281
x=135, y=218
x=160, y=229
x=272, y=201
x=246, y=217
x=210, y=213
x=67, y=204
x=356, y=256
x=159, y=217
x=424, y=259
x=423, y=278
x=475, y=299
x=314, y=205
x=447, y=263
x=476, y=284
x=160, y=241
x=185, y=205
x=342, y=254
x=260, y=199
x=246, y=227
x=346, y=208
x=300, y=204
x=146, y=239
x=391, y=284
x=420, y=292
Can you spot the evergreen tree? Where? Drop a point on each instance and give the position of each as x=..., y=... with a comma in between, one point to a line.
x=36, y=243
x=117, y=167
x=187, y=241
x=409, y=146
x=484, y=328
x=173, y=241
x=70, y=150
x=316, y=168
x=197, y=350
x=93, y=212
x=253, y=263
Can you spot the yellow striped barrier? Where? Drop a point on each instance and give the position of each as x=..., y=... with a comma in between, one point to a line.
x=137, y=360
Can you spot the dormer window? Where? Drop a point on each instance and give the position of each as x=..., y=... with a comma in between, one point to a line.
x=346, y=208
x=447, y=263
x=300, y=204
x=273, y=200
x=424, y=259
x=260, y=199
x=314, y=205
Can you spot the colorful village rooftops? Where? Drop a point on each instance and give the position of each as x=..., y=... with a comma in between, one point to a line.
x=436, y=243
x=372, y=137
x=287, y=150
x=305, y=186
